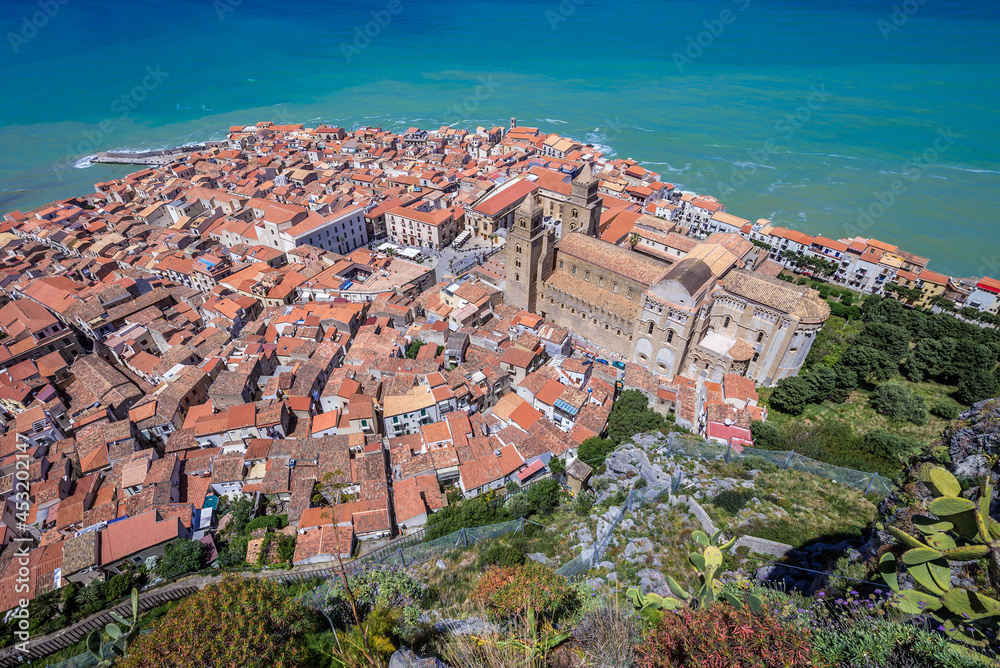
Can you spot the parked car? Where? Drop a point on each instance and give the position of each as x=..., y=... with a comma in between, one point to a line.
x=601, y=361
x=618, y=365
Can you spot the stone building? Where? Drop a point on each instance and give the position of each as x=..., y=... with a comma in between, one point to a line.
x=702, y=317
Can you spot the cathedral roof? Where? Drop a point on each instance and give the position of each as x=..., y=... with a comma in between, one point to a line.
x=692, y=273
x=607, y=301
x=621, y=261
x=798, y=301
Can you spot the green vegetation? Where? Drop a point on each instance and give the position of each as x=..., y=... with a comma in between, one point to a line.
x=414, y=348
x=247, y=622
x=798, y=508
x=181, y=557
x=862, y=400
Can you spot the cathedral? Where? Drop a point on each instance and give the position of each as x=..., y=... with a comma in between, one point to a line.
x=702, y=314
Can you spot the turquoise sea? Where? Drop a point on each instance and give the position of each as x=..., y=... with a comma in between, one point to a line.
x=851, y=117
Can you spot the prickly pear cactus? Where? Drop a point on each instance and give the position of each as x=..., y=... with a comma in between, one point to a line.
x=959, y=530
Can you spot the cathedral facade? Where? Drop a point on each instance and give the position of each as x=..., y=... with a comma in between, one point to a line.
x=703, y=316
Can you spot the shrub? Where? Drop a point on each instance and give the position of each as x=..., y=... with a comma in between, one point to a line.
x=543, y=497
x=758, y=463
x=724, y=636
x=267, y=522
x=498, y=554
x=877, y=642
x=732, y=500
x=583, y=504
x=506, y=592
x=899, y=402
x=595, y=450
x=180, y=557
x=768, y=436
x=384, y=588
x=947, y=409
x=246, y=622
x=609, y=635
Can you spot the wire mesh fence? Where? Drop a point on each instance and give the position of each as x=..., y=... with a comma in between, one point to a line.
x=412, y=554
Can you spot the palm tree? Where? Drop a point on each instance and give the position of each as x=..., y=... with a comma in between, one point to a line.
x=633, y=240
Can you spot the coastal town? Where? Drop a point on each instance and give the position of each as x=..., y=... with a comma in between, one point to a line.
x=364, y=321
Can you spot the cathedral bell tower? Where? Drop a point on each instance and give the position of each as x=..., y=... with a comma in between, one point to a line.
x=585, y=200
x=529, y=248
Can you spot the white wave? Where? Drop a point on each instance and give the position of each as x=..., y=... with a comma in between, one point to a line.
x=84, y=162
x=972, y=169
x=670, y=168
x=552, y=120
x=641, y=129
x=753, y=164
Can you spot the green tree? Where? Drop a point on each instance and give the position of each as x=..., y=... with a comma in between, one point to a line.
x=414, y=348
x=893, y=340
x=594, y=450
x=631, y=415
x=544, y=496
x=792, y=395
x=899, y=402
x=768, y=436
x=975, y=387
x=823, y=381
x=869, y=364
x=557, y=465
x=925, y=361
x=180, y=557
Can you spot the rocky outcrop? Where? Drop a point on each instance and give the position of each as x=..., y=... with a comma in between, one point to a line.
x=405, y=658
x=974, y=439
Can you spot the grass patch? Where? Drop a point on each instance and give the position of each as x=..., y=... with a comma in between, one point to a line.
x=799, y=508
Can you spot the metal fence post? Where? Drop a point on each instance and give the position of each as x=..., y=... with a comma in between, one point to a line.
x=402, y=561
x=522, y=525
x=729, y=447
x=789, y=460
x=870, y=483
x=465, y=539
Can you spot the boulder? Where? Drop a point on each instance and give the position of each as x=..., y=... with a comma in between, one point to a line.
x=405, y=658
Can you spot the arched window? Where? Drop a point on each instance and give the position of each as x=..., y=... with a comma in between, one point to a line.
x=628, y=293
x=560, y=264
x=517, y=263
x=600, y=282
x=517, y=277
x=595, y=321
x=574, y=270
x=760, y=337
x=725, y=324
x=552, y=300
x=575, y=215
x=586, y=275
x=670, y=336
x=755, y=357
x=614, y=288
x=562, y=306
x=618, y=333
x=518, y=248
x=652, y=325
x=524, y=223
x=607, y=326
